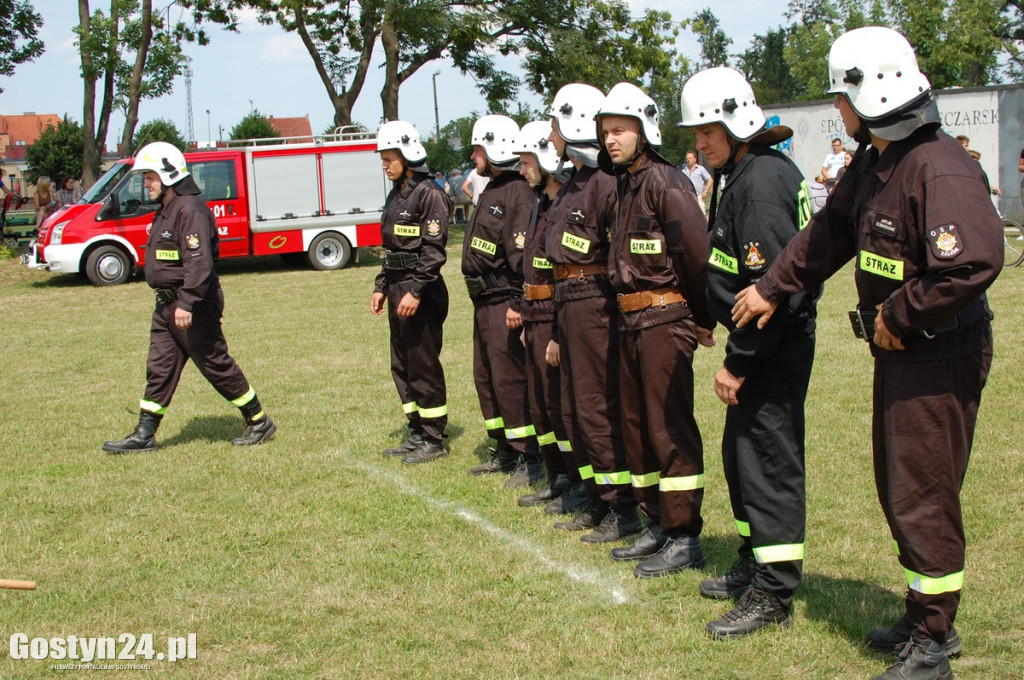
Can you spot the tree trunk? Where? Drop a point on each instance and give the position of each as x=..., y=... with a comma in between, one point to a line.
x=389, y=93
x=109, y=64
x=135, y=85
x=90, y=157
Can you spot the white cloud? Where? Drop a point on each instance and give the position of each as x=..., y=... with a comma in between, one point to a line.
x=284, y=48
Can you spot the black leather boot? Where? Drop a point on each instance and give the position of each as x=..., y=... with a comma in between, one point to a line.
x=920, y=660
x=142, y=438
x=527, y=473
x=258, y=425
x=411, y=443
x=893, y=639
x=678, y=553
x=621, y=522
x=552, y=490
x=732, y=583
x=757, y=609
x=588, y=519
x=648, y=543
x=428, y=450
x=502, y=460
x=572, y=498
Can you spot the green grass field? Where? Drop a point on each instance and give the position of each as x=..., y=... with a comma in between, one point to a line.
x=315, y=557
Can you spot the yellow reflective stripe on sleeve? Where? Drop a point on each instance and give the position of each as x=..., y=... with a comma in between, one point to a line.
x=935, y=586
x=520, y=432
x=577, y=243
x=168, y=255
x=681, y=483
x=726, y=263
x=409, y=407
x=152, y=407
x=612, y=478
x=881, y=266
x=803, y=204
x=435, y=412
x=644, y=246
x=564, y=446
x=483, y=246
x=768, y=554
x=546, y=438
x=407, y=230
x=494, y=424
x=244, y=399
x=541, y=263
x=743, y=528
x=650, y=479
x=587, y=472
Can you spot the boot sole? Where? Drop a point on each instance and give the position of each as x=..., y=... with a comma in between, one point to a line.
x=666, y=572
x=611, y=539
x=633, y=558
x=265, y=438
x=119, y=452
x=723, y=594
x=953, y=647
x=717, y=635
x=424, y=460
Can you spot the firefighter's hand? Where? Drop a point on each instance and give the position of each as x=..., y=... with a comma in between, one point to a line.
x=551, y=354
x=377, y=303
x=408, y=305
x=182, y=319
x=883, y=338
x=705, y=337
x=749, y=306
x=513, y=319
x=727, y=386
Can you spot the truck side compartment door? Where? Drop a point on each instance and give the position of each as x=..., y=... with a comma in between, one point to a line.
x=218, y=181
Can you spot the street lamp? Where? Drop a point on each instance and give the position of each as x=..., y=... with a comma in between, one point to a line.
x=437, y=117
x=209, y=134
x=251, y=108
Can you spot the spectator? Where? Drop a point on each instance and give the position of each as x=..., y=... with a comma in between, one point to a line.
x=439, y=178
x=1020, y=168
x=835, y=160
x=67, y=193
x=842, y=170
x=474, y=184
x=817, y=193
x=965, y=142
x=7, y=192
x=993, y=190
x=46, y=200
x=699, y=177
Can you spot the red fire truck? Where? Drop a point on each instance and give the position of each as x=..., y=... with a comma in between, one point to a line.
x=315, y=198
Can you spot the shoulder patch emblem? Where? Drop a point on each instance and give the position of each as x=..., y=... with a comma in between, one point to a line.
x=520, y=240
x=165, y=235
x=754, y=259
x=192, y=241
x=946, y=241
x=433, y=228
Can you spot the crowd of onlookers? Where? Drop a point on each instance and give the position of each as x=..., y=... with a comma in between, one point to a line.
x=46, y=200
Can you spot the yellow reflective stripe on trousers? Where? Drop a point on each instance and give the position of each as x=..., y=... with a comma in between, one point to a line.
x=564, y=446
x=546, y=438
x=435, y=412
x=650, y=479
x=520, y=432
x=681, y=483
x=767, y=554
x=930, y=585
x=152, y=407
x=244, y=399
x=587, y=472
x=612, y=478
x=743, y=528
x=494, y=424
x=409, y=407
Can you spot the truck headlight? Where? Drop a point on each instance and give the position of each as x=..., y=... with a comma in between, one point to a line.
x=57, y=232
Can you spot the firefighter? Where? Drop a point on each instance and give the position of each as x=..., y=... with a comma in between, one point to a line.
x=539, y=165
x=180, y=253
x=914, y=210
x=492, y=263
x=587, y=336
x=658, y=266
x=764, y=376
x=414, y=229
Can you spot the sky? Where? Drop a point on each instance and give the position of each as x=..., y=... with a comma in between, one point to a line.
x=264, y=68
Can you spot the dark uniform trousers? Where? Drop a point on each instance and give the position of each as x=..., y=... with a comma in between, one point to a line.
x=589, y=356
x=203, y=343
x=500, y=376
x=545, y=394
x=415, y=347
x=666, y=454
x=763, y=459
x=925, y=410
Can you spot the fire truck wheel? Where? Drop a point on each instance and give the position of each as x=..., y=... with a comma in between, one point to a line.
x=330, y=250
x=108, y=266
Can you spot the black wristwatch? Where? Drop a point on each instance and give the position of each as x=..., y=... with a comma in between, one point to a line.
x=415, y=294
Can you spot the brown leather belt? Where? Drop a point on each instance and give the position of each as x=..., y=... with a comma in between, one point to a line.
x=564, y=271
x=538, y=291
x=659, y=297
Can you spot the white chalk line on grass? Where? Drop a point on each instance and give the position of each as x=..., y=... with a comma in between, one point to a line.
x=591, y=578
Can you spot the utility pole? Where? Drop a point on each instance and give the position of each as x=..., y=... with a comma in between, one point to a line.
x=437, y=117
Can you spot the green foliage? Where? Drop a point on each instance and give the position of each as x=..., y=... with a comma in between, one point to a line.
x=57, y=153
x=452, y=150
x=19, y=42
x=254, y=126
x=764, y=65
x=158, y=130
x=714, y=43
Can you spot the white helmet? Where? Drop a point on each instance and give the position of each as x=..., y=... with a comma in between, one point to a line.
x=721, y=95
x=626, y=99
x=164, y=159
x=533, y=138
x=876, y=69
x=400, y=136
x=573, y=111
x=496, y=135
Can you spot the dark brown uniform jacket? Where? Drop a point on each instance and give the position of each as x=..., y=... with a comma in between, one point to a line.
x=415, y=222
x=182, y=247
x=537, y=269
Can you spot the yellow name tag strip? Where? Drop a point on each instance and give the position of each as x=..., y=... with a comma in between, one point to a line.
x=640, y=246
x=483, y=246
x=577, y=243
x=407, y=230
x=541, y=263
x=171, y=255
x=720, y=260
x=881, y=266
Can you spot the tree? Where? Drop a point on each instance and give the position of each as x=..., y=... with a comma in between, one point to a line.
x=254, y=126
x=765, y=67
x=714, y=43
x=19, y=25
x=57, y=153
x=158, y=130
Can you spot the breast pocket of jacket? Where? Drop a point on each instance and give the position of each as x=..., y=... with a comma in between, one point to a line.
x=881, y=245
x=645, y=243
x=576, y=236
x=486, y=237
